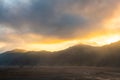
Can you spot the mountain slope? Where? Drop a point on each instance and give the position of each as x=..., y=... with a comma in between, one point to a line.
x=79, y=55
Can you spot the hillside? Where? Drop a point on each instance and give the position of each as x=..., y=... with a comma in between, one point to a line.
x=79, y=55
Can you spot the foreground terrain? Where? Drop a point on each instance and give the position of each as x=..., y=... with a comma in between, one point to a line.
x=59, y=73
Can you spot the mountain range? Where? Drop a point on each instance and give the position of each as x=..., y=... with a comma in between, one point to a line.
x=79, y=55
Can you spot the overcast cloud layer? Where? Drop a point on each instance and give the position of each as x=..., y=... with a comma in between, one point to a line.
x=54, y=18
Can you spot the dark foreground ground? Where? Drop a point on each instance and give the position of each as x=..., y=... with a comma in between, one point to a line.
x=59, y=73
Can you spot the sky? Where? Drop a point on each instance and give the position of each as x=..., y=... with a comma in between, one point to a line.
x=55, y=25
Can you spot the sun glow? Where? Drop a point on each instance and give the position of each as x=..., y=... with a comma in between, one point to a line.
x=94, y=41
x=51, y=47
x=2, y=44
x=103, y=40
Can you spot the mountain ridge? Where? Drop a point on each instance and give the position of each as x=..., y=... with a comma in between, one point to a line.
x=79, y=55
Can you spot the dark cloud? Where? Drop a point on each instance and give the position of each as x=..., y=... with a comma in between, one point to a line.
x=55, y=17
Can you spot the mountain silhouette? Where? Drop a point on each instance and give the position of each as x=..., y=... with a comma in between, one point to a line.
x=79, y=55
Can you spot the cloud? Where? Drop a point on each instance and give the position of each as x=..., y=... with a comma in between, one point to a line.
x=58, y=18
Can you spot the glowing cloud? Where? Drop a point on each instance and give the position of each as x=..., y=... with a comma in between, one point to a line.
x=58, y=24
